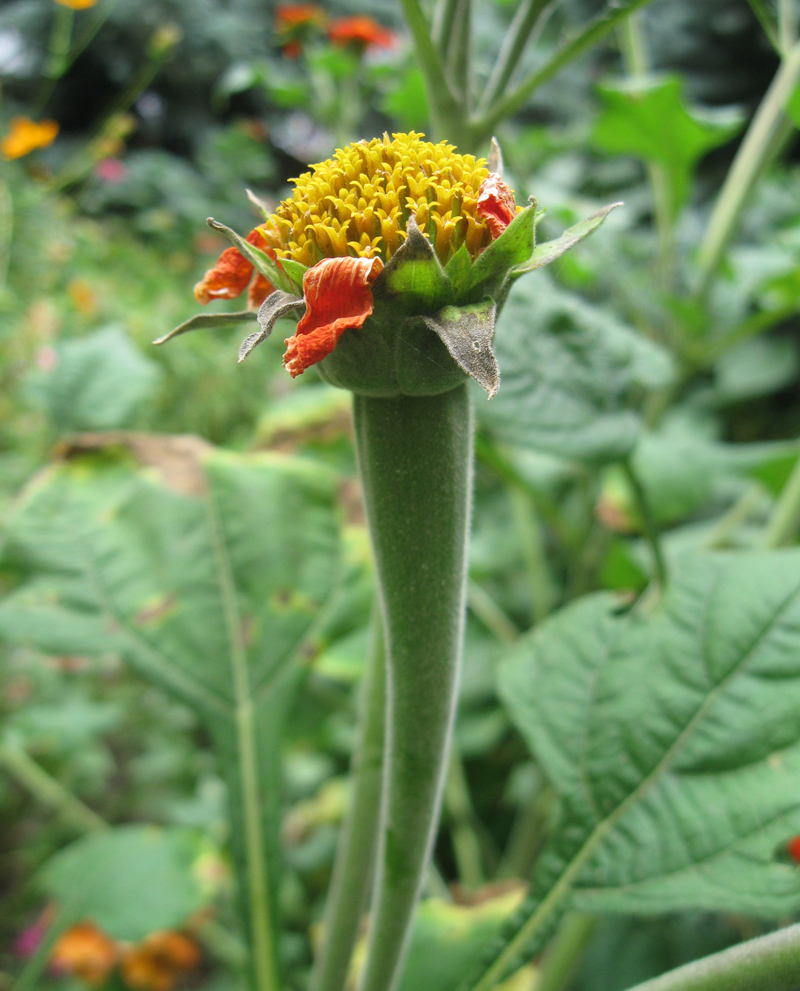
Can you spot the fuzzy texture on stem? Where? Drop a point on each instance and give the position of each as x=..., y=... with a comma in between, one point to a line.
x=356, y=853
x=415, y=459
x=769, y=963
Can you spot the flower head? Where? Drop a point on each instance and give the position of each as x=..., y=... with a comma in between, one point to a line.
x=77, y=4
x=26, y=135
x=361, y=32
x=397, y=254
x=359, y=202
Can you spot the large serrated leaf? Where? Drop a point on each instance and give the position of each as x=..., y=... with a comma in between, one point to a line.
x=211, y=576
x=673, y=742
x=570, y=376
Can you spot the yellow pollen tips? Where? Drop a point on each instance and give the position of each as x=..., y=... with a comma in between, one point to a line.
x=358, y=202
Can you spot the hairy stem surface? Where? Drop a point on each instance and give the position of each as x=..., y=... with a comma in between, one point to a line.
x=415, y=459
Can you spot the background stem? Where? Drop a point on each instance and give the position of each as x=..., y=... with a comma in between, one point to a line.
x=519, y=32
x=415, y=461
x=769, y=963
x=755, y=152
x=565, y=952
x=355, y=855
x=49, y=791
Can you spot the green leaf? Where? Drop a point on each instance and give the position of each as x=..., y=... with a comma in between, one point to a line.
x=467, y=332
x=491, y=268
x=98, y=383
x=676, y=791
x=649, y=118
x=447, y=940
x=209, y=573
x=569, y=372
x=545, y=253
x=207, y=321
x=130, y=880
x=277, y=305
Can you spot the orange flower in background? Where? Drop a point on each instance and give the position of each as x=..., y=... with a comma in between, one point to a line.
x=294, y=22
x=295, y=15
x=230, y=276
x=158, y=962
x=77, y=4
x=26, y=135
x=361, y=32
x=86, y=952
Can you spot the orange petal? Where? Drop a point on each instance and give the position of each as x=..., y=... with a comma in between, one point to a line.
x=361, y=30
x=229, y=277
x=259, y=289
x=496, y=204
x=338, y=296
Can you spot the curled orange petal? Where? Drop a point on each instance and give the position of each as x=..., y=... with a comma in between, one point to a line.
x=338, y=296
x=496, y=204
x=229, y=277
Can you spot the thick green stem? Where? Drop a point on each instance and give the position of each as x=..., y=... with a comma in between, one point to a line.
x=519, y=32
x=458, y=809
x=563, y=56
x=783, y=524
x=442, y=102
x=356, y=854
x=637, y=63
x=649, y=526
x=415, y=460
x=754, y=154
x=565, y=952
x=769, y=963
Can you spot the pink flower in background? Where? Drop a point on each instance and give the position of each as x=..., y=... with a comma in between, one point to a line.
x=111, y=170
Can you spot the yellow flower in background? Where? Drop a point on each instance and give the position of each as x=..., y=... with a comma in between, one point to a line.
x=26, y=135
x=77, y=4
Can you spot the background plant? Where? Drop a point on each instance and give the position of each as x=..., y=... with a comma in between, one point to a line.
x=652, y=416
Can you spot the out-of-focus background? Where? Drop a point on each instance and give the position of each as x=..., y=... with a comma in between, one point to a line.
x=124, y=124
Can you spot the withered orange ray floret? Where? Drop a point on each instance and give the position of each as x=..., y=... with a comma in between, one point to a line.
x=496, y=204
x=358, y=202
x=338, y=297
x=230, y=276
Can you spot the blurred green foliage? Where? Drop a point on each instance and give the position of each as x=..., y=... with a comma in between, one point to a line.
x=612, y=355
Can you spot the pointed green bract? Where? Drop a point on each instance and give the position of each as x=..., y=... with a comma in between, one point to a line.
x=414, y=279
x=490, y=269
x=207, y=321
x=259, y=259
x=547, y=252
x=295, y=271
x=279, y=304
x=467, y=332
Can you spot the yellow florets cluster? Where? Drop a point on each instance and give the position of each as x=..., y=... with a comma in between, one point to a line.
x=359, y=202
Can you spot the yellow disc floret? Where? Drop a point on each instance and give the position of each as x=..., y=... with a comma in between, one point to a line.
x=359, y=202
